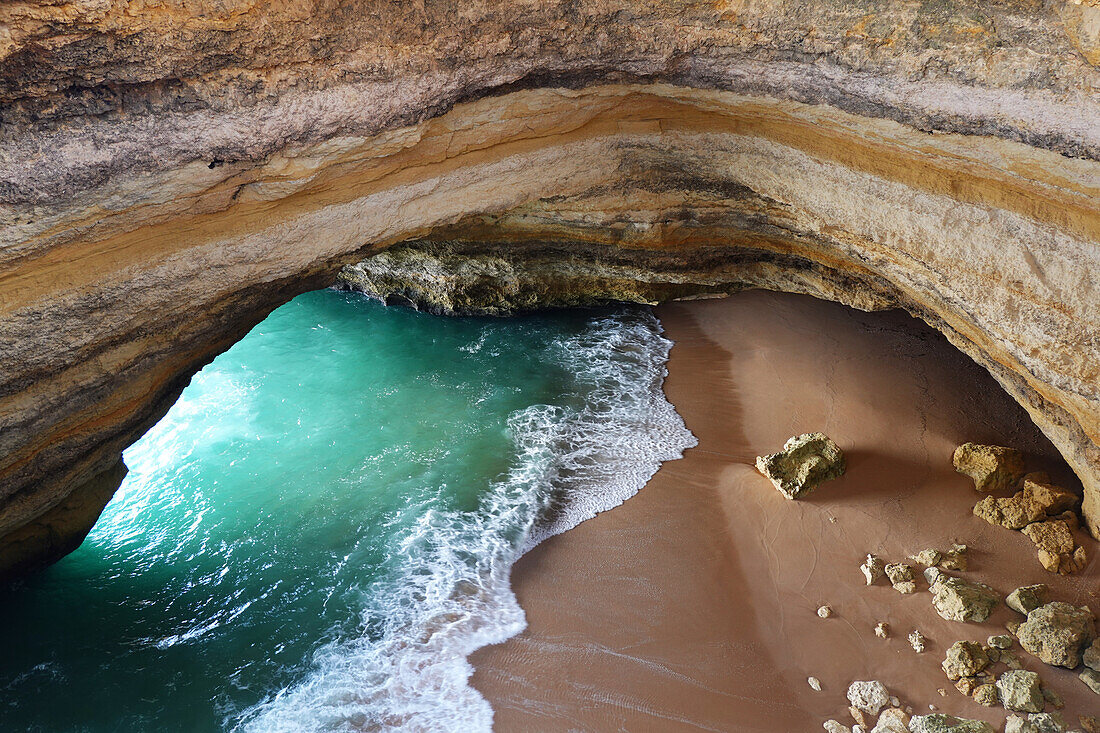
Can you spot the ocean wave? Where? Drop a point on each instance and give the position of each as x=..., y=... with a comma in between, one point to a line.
x=448, y=593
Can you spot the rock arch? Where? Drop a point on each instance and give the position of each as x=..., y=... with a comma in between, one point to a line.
x=133, y=249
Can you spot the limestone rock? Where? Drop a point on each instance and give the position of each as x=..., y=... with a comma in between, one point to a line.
x=956, y=599
x=1058, y=633
x=985, y=695
x=1027, y=598
x=1058, y=550
x=1091, y=656
x=955, y=558
x=868, y=696
x=964, y=659
x=928, y=558
x=835, y=726
x=1089, y=723
x=901, y=577
x=999, y=641
x=824, y=611
x=942, y=723
x=882, y=630
x=1035, y=723
x=1034, y=502
x=806, y=461
x=892, y=720
x=873, y=569
x=1091, y=678
x=992, y=467
x=1021, y=690
x=916, y=640
x=814, y=683
x=285, y=137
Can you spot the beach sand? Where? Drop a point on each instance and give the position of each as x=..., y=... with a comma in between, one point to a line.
x=692, y=606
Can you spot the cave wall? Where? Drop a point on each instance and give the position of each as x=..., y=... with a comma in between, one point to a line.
x=170, y=172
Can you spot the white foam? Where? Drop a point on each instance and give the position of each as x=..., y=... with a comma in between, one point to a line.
x=449, y=595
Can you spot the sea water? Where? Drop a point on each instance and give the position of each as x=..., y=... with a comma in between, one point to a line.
x=321, y=529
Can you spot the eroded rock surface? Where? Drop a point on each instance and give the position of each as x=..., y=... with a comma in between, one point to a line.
x=956, y=599
x=1058, y=633
x=992, y=467
x=806, y=461
x=169, y=175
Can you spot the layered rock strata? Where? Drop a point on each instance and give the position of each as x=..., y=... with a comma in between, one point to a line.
x=170, y=172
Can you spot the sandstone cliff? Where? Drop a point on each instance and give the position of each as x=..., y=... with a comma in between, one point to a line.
x=171, y=171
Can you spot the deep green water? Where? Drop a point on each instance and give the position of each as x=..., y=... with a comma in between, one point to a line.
x=320, y=530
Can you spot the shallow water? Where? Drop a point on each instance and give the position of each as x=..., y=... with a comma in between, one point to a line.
x=321, y=529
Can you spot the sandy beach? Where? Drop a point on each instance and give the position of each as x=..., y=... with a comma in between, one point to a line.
x=692, y=606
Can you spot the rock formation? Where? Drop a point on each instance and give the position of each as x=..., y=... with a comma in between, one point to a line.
x=805, y=462
x=1058, y=633
x=171, y=172
x=992, y=467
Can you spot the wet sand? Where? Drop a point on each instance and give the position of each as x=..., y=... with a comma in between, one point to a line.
x=692, y=606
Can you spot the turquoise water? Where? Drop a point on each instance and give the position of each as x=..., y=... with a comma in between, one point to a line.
x=320, y=530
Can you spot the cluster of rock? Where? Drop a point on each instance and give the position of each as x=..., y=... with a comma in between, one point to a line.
x=1044, y=512
x=954, y=598
x=806, y=461
x=873, y=709
x=1057, y=633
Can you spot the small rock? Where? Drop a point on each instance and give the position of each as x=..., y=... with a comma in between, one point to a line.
x=955, y=558
x=806, y=461
x=1091, y=678
x=859, y=716
x=892, y=720
x=1058, y=633
x=1026, y=599
x=964, y=659
x=1013, y=627
x=933, y=575
x=941, y=723
x=815, y=683
x=994, y=653
x=834, y=726
x=1091, y=657
x=882, y=630
x=868, y=696
x=1020, y=690
x=999, y=641
x=956, y=599
x=873, y=569
x=857, y=729
x=1010, y=660
x=1057, y=549
x=985, y=695
x=992, y=467
x=966, y=685
x=928, y=558
x=1035, y=723
x=916, y=640
x=942, y=692
x=1090, y=723
x=824, y=611
x=901, y=577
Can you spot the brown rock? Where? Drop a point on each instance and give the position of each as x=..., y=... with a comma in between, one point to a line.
x=992, y=467
x=1091, y=678
x=805, y=462
x=1027, y=598
x=964, y=659
x=1057, y=549
x=985, y=695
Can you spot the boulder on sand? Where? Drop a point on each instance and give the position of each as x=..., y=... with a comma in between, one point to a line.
x=964, y=659
x=1027, y=598
x=805, y=461
x=992, y=467
x=1058, y=633
x=956, y=599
